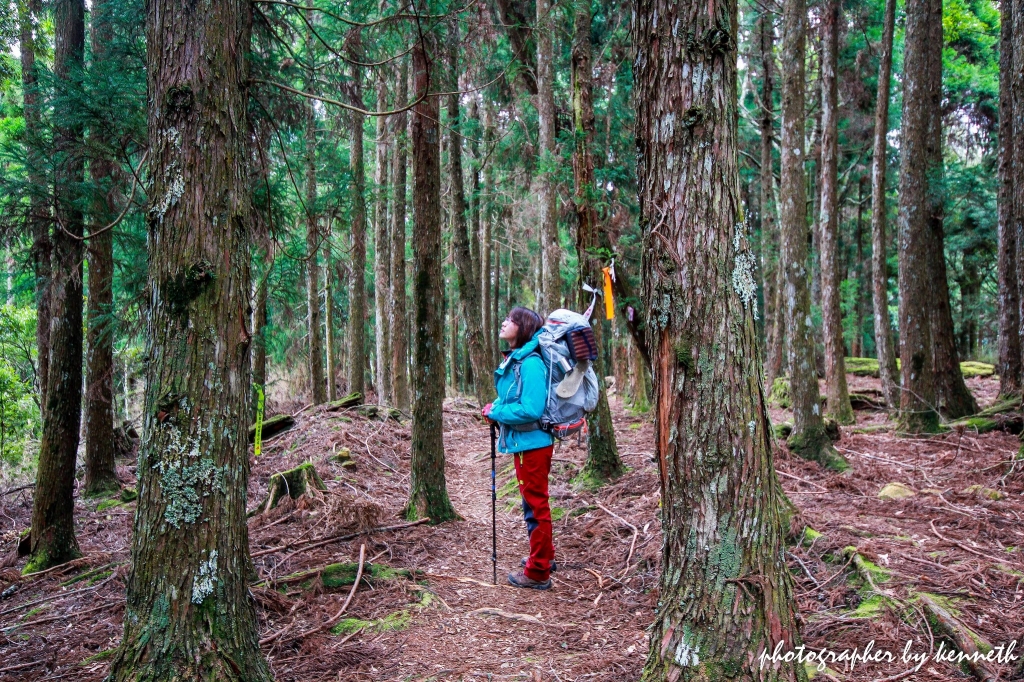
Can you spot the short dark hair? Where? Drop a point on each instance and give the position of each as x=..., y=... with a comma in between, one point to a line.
x=527, y=322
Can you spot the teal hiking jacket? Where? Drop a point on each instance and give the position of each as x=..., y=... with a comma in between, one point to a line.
x=513, y=408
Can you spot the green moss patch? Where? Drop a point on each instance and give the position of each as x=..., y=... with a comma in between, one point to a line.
x=108, y=504
x=393, y=622
x=972, y=368
x=982, y=491
x=98, y=656
x=895, y=491
x=780, y=396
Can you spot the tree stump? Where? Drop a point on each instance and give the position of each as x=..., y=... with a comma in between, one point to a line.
x=301, y=481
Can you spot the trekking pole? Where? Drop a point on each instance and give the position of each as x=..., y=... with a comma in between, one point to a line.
x=494, y=504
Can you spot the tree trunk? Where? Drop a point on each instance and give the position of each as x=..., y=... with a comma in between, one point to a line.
x=550, y=252
x=857, y=349
x=37, y=224
x=838, y=405
x=329, y=339
x=603, y=460
x=318, y=391
x=879, y=241
x=1009, y=367
x=808, y=438
x=357, y=284
x=382, y=256
x=724, y=594
x=469, y=286
x=428, y=495
x=399, y=335
x=917, y=398
x=259, y=329
x=953, y=398
x=188, y=613
x=100, y=473
x=1017, y=171
x=474, y=205
x=53, y=524
x=486, y=240
x=774, y=316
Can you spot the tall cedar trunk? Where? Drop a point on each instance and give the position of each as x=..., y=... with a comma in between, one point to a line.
x=551, y=285
x=603, y=460
x=808, y=438
x=486, y=240
x=357, y=284
x=1009, y=368
x=879, y=241
x=382, y=255
x=774, y=317
x=399, y=335
x=469, y=287
x=474, y=203
x=725, y=595
x=189, y=614
x=100, y=474
x=428, y=495
x=838, y=405
x=954, y=400
x=313, y=239
x=917, y=399
x=858, y=272
x=330, y=341
x=1017, y=171
x=38, y=224
x=53, y=524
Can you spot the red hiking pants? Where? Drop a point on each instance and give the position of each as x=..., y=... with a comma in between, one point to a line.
x=532, y=469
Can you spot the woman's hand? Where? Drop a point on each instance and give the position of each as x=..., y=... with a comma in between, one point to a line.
x=486, y=412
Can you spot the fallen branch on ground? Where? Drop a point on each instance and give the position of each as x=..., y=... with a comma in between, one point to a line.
x=965, y=639
x=338, y=538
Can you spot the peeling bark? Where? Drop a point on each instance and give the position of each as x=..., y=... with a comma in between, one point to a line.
x=188, y=613
x=725, y=592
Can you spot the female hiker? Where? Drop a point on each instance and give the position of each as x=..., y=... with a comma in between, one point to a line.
x=521, y=381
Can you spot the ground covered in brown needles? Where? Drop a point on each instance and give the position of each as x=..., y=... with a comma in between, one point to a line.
x=426, y=608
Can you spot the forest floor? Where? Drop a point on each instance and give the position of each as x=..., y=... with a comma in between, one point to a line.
x=427, y=609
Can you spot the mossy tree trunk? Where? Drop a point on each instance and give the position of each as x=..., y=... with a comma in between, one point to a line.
x=428, y=495
x=1016, y=178
x=53, y=524
x=382, y=254
x=808, y=438
x=774, y=314
x=36, y=223
x=469, y=285
x=603, y=461
x=100, y=474
x=838, y=406
x=318, y=385
x=357, y=284
x=917, y=399
x=487, y=212
x=551, y=284
x=887, y=371
x=1009, y=367
x=188, y=613
x=725, y=592
x=953, y=398
x=399, y=325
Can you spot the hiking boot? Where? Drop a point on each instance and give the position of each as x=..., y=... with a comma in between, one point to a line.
x=520, y=579
x=554, y=565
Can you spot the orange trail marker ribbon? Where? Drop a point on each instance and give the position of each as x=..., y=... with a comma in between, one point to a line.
x=609, y=302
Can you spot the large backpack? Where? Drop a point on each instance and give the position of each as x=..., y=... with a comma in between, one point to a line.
x=568, y=348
